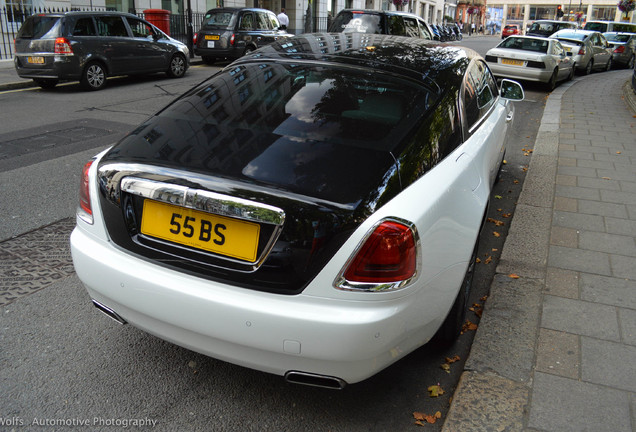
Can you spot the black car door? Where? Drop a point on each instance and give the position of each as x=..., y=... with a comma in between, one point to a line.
x=145, y=42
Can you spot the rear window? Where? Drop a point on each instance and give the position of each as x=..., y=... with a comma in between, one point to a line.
x=359, y=22
x=572, y=35
x=613, y=37
x=39, y=27
x=221, y=19
x=525, y=44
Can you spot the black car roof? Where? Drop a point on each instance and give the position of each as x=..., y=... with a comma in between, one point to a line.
x=435, y=64
x=83, y=13
x=236, y=9
x=378, y=11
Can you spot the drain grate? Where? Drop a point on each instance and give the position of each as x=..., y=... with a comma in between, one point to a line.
x=33, y=261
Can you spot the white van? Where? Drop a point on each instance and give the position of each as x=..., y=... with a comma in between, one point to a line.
x=611, y=26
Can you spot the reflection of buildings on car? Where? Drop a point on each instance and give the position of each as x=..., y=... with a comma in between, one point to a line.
x=502, y=12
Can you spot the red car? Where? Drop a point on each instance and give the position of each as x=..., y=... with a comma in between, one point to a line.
x=510, y=30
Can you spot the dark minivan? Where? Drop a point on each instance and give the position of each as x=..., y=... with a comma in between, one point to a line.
x=229, y=33
x=90, y=46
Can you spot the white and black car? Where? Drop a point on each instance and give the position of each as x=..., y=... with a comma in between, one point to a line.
x=311, y=210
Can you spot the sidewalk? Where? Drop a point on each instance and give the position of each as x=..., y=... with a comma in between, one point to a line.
x=555, y=348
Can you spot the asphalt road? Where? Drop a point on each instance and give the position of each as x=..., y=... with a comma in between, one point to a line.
x=61, y=361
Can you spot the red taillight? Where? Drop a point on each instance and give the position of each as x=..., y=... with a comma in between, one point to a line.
x=85, y=195
x=232, y=39
x=619, y=49
x=63, y=46
x=388, y=255
x=194, y=39
x=582, y=51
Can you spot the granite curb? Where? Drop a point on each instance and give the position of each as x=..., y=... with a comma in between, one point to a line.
x=496, y=387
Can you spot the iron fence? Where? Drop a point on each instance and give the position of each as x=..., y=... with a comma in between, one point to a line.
x=11, y=19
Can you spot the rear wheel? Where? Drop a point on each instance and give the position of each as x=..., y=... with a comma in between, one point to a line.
x=94, y=76
x=630, y=63
x=608, y=66
x=553, y=80
x=589, y=67
x=571, y=74
x=177, y=68
x=452, y=326
x=45, y=83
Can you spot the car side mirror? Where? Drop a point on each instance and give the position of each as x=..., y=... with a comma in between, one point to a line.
x=511, y=90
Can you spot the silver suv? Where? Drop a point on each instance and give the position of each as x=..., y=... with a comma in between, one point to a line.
x=90, y=46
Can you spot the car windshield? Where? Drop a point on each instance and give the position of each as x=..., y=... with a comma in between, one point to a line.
x=37, y=27
x=525, y=44
x=357, y=22
x=218, y=19
x=613, y=37
x=596, y=26
x=571, y=35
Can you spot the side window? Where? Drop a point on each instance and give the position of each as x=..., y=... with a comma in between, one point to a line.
x=424, y=33
x=410, y=27
x=557, y=49
x=396, y=25
x=84, y=27
x=247, y=21
x=273, y=21
x=111, y=26
x=480, y=93
x=140, y=28
x=262, y=22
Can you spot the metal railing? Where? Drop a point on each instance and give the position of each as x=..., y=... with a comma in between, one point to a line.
x=11, y=19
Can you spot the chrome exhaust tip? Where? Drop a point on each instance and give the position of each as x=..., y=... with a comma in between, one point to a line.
x=315, y=380
x=109, y=312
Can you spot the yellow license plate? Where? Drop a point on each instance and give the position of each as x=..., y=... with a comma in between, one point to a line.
x=512, y=62
x=35, y=60
x=568, y=49
x=222, y=235
x=211, y=37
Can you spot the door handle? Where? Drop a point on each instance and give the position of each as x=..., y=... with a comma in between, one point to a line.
x=509, y=117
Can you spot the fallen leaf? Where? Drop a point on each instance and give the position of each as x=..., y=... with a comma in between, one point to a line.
x=452, y=359
x=606, y=178
x=496, y=234
x=513, y=276
x=477, y=260
x=422, y=417
x=506, y=215
x=446, y=367
x=435, y=390
x=469, y=326
x=494, y=250
x=505, y=162
x=488, y=260
x=618, y=152
x=516, y=181
x=484, y=298
x=498, y=197
x=495, y=221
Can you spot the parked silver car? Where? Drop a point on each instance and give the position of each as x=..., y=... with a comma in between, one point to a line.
x=588, y=49
x=531, y=58
x=624, y=48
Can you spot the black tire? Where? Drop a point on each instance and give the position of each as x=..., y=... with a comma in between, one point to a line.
x=452, y=325
x=608, y=66
x=571, y=74
x=630, y=63
x=553, y=80
x=45, y=83
x=208, y=60
x=94, y=76
x=177, y=67
x=589, y=67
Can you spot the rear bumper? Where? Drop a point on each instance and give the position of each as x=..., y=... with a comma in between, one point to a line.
x=62, y=67
x=233, y=53
x=520, y=73
x=350, y=340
